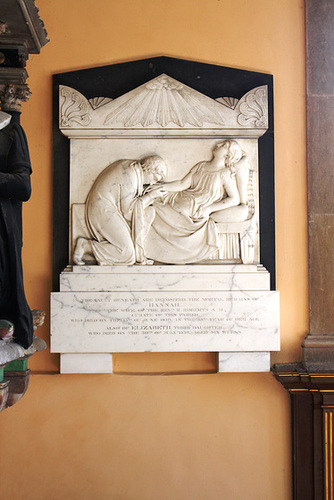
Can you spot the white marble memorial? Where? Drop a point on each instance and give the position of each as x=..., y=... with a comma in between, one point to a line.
x=164, y=229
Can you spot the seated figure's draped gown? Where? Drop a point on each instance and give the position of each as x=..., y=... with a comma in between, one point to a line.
x=178, y=234
x=15, y=188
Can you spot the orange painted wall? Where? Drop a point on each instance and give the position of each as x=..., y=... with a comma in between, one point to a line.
x=169, y=436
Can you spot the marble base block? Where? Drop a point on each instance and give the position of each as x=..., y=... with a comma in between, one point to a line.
x=244, y=362
x=86, y=363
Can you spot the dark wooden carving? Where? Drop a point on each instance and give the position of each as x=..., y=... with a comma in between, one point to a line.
x=20, y=24
x=22, y=33
x=312, y=411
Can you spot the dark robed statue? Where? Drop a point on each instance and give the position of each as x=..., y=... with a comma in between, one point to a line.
x=15, y=188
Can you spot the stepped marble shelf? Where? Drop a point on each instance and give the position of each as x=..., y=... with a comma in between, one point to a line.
x=168, y=278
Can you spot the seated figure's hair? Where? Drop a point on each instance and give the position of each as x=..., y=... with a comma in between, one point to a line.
x=235, y=153
x=154, y=163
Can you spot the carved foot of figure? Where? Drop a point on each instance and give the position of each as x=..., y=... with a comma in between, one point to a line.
x=82, y=247
x=146, y=262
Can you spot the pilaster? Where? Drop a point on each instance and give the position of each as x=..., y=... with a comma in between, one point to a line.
x=318, y=347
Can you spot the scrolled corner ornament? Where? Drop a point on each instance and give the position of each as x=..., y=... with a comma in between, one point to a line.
x=74, y=109
x=253, y=109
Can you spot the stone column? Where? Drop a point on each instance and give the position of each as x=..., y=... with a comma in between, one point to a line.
x=318, y=348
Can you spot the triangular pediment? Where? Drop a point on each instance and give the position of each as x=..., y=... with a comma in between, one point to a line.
x=164, y=102
x=163, y=106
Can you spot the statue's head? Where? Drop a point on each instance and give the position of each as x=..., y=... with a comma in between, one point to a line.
x=234, y=151
x=154, y=169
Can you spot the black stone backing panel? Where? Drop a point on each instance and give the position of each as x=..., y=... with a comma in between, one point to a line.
x=117, y=79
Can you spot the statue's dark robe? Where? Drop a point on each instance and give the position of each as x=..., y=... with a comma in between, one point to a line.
x=15, y=188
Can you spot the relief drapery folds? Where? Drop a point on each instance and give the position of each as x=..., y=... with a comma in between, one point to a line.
x=133, y=217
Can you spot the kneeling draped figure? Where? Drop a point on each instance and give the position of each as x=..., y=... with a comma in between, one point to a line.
x=118, y=214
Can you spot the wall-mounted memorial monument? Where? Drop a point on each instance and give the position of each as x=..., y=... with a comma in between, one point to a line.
x=170, y=195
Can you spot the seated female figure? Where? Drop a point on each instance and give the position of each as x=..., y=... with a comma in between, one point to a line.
x=183, y=230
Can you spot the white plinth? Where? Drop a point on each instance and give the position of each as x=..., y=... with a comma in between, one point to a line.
x=86, y=363
x=204, y=308
x=243, y=362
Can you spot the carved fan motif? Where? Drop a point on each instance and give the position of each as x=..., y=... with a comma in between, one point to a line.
x=97, y=102
x=74, y=108
x=164, y=101
x=229, y=102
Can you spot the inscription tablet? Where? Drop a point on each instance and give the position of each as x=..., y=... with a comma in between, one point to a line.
x=162, y=321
